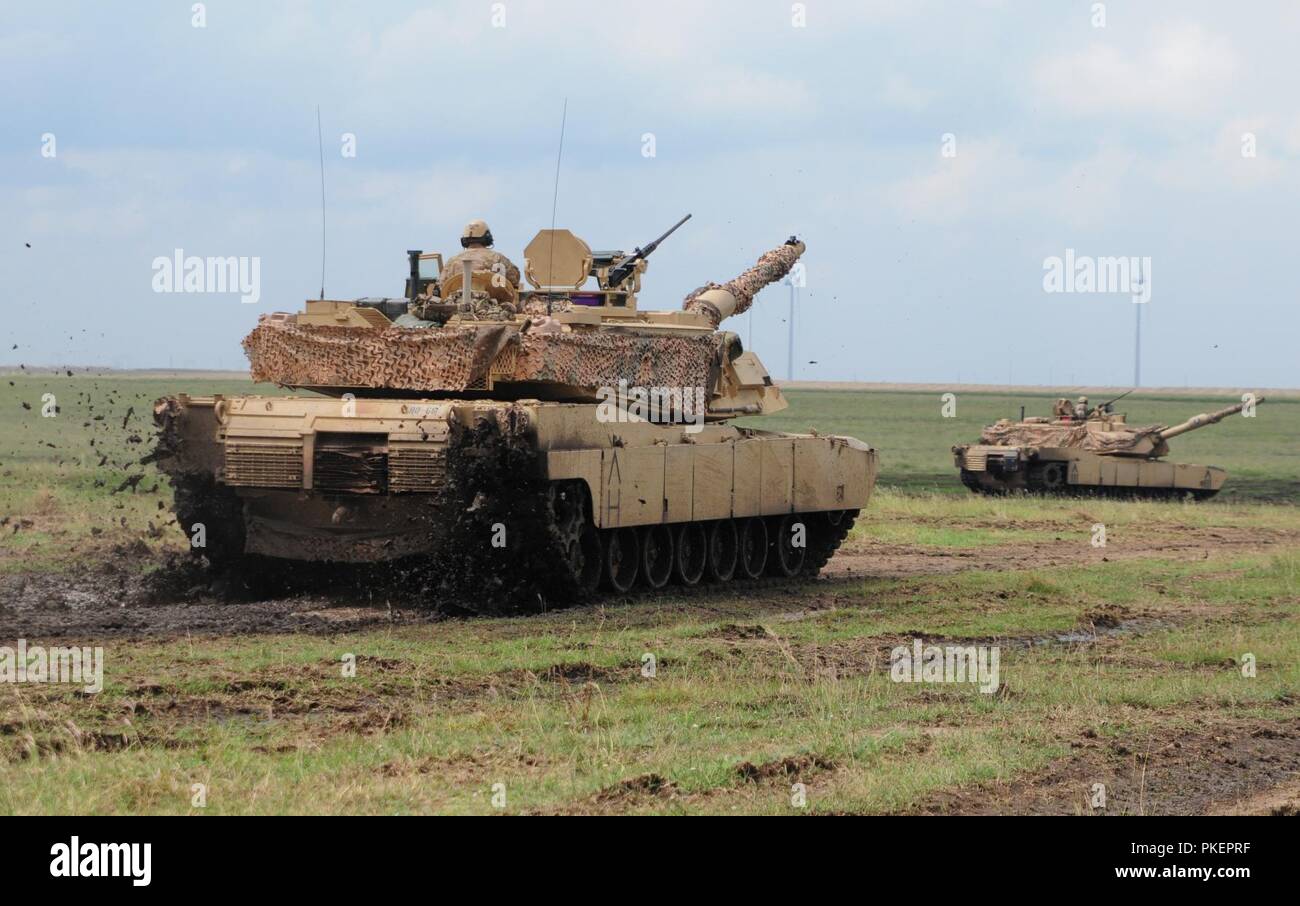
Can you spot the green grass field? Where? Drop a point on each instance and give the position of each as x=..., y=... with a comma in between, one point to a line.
x=62, y=473
x=1165, y=666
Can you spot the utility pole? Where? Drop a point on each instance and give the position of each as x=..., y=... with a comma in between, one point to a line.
x=1137, y=347
x=1137, y=333
x=789, y=368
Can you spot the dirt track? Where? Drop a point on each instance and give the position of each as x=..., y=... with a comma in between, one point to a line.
x=1184, y=543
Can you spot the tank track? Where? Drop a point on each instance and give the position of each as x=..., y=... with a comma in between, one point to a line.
x=1037, y=488
x=536, y=582
x=1147, y=493
x=197, y=499
x=825, y=535
x=832, y=535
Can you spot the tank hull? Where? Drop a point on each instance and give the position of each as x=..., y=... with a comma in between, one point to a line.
x=479, y=488
x=1065, y=471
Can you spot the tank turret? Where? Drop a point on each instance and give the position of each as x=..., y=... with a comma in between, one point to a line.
x=557, y=341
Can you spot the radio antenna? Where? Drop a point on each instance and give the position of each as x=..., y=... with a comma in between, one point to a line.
x=555, y=199
x=320, y=141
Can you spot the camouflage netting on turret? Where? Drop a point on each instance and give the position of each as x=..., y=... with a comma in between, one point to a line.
x=314, y=356
x=454, y=359
x=603, y=359
x=771, y=267
x=1079, y=436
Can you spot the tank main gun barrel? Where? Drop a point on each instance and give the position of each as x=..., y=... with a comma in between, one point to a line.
x=1200, y=421
x=717, y=302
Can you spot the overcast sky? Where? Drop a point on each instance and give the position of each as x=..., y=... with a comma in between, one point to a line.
x=1131, y=139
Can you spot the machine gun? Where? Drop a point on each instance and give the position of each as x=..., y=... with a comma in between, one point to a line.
x=1104, y=408
x=627, y=264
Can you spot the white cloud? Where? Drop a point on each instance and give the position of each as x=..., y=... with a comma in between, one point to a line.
x=1184, y=72
x=32, y=47
x=900, y=92
x=1093, y=192
x=981, y=176
x=736, y=90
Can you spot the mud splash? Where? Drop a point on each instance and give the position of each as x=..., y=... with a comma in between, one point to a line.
x=503, y=551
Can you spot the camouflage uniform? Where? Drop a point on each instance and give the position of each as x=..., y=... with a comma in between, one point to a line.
x=482, y=258
x=477, y=241
x=500, y=300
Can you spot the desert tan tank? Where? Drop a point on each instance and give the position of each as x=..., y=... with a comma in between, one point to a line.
x=1089, y=450
x=518, y=446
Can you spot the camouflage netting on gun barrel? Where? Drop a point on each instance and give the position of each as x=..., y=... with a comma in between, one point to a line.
x=453, y=359
x=1079, y=436
x=771, y=267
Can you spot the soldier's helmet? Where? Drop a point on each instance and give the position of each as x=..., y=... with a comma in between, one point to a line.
x=476, y=232
x=1084, y=400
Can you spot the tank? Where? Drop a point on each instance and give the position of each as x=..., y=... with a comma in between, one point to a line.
x=1088, y=450
x=516, y=446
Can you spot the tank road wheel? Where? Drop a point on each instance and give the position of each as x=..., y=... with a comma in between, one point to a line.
x=724, y=551
x=692, y=553
x=585, y=558
x=657, y=555
x=786, y=559
x=753, y=547
x=622, y=559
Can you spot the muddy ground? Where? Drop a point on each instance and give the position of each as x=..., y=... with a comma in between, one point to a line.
x=133, y=592
x=1209, y=764
x=1220, y=767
